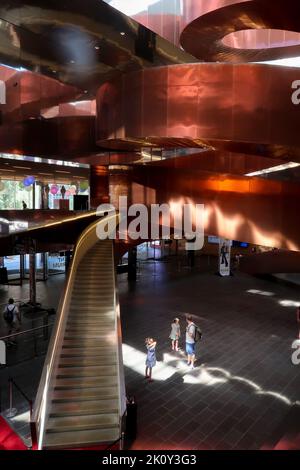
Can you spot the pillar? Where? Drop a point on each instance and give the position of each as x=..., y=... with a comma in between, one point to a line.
x=22, y=267
x=45, y=266
x=32, y=279
x=99, y=186
x=67, y=260
x=132, y=258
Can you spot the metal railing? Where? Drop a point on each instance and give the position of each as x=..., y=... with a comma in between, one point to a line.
x=27, y=344
x=11, y=412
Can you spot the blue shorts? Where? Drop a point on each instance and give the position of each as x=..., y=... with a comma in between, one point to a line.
x=190, y=348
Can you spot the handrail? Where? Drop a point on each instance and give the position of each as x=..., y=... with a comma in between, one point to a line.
x=86, y=240
x=122, y=390
x=26, y=331
x=16, y=302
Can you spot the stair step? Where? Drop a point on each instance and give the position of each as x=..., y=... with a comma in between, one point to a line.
x=99, y=336
x=89, y=351
x=88, y=287
x=97, y=296
x=84, y=422
x=89, y=371
x=85, y=407
x=83, y=394
x=96, y=311
x=88, y=328
x=89, y=382
x=88, y=303
x=76, y=361
x=82, y=343
x=82, y=321
x=61, y=440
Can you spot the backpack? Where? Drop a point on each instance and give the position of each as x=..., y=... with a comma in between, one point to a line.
x=198, y=334
x=9, y=315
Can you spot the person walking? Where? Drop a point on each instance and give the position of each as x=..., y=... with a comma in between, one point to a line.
x=175, y=334
x=190, y=341
x=12, y=317
x=151, y=358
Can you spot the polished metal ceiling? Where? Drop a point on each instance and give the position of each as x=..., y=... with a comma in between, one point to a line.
x=82, y=43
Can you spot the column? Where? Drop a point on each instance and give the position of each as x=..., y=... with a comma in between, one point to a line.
x=32, y=279
x=67, y=260
x=99, y=186
x=45, y=266
x=22, y=267
x=132, y=258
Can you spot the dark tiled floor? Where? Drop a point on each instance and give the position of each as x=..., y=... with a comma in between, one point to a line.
x=245, y=383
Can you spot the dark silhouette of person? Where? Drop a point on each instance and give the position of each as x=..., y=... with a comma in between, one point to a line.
x=24, y=205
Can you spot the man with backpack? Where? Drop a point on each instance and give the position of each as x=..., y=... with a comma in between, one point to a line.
x=193, y=334
x=11, y=316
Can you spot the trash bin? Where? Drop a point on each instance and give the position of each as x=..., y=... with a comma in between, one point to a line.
x=131, y=419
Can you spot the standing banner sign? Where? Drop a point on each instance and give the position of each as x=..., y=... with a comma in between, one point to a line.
x=2, y=353
x=224, y=257
x=2, y=92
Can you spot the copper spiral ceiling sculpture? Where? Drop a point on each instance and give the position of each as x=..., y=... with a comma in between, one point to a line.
x=270, y=30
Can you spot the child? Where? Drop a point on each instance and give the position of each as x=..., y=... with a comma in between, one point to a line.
x=151, y=358
x=175, y=334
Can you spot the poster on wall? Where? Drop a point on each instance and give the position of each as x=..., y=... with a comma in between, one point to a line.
x=224, y=257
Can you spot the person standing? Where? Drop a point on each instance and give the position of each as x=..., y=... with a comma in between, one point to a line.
x=24, y=205
x=151, y=358
x=190, y=341
x=12, y=317
x=175, y=334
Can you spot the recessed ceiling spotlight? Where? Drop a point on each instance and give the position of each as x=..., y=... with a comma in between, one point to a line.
x=53, y=71
x=122, y=33
x=72, y=61
x=86, y=91
x=97, y=48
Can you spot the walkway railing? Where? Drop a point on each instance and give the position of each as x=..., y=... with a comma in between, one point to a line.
x=27, y=344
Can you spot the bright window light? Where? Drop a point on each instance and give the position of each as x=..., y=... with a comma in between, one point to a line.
x=260, y=292
x=132, y=7
x=291, y=62
x=273, y=169
x=289, y=303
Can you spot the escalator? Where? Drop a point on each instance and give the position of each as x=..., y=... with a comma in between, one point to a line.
x=81, y=398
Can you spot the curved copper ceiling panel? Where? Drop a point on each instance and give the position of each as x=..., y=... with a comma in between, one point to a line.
x=169, y=18
x=204, y=37
x=81, y=43
x=242, y=108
